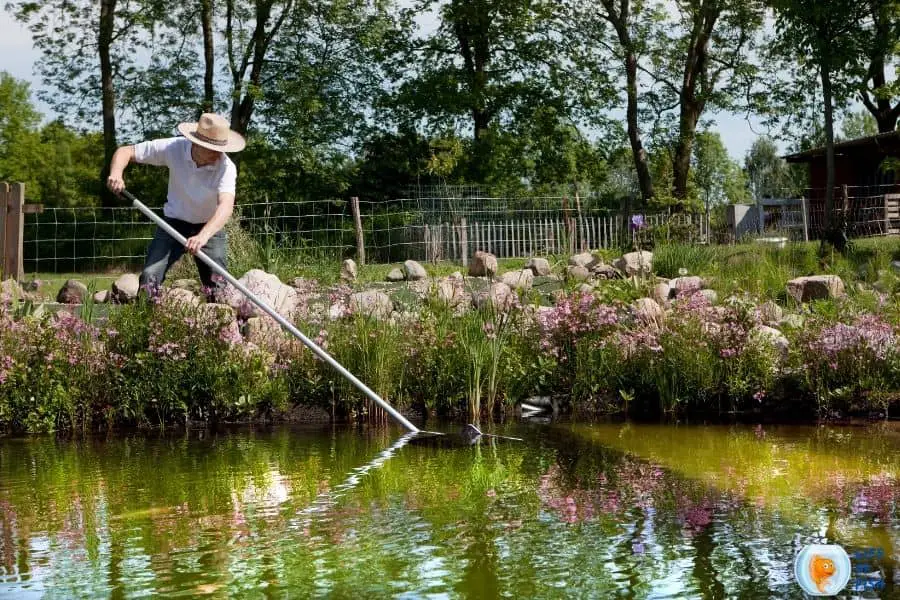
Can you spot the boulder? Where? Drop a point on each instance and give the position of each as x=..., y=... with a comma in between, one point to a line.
x=125, y=288
x=792, y=321
x=483, y=264
x=576, y=273
x=538, y=266
x=585, y=259
x=188, y=284
x=395, y=275
x=217, y=313
x=635, y=263
x=520, y=280
x=816, y=287
x=372, y=303
x=101, y=297
x=585, y=288
x=348, y=270
x=268, y=288
x=414, y=271
x=261, y=331
x=221, y=317
x=686, y=285
x=32, y=286
x=770, y=335
x=711, y=296
x=769, y=312
x=305, y=287
x=661, y=292
x=72, y=292
x=337, y=311
x=182, y=297
x=451, y=292
x=649, y=311
x=604, y=271
x=499, y=295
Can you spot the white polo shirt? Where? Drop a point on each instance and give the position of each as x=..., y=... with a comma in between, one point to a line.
x=193, y=191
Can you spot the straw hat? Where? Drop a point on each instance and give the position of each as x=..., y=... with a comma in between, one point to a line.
x=213, y=132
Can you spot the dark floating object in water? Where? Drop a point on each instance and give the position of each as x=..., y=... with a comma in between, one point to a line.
x=468, y=435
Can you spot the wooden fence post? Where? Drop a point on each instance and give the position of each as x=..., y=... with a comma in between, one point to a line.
x=845, y=196
x=15, y=228
x=761, y=217
x=357, y=223
x=4, y=199
x=583, y=245
x=804, y=213
x=464, y=242
x=567, y=221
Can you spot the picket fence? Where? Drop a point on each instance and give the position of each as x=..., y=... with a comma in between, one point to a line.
x=535, y=237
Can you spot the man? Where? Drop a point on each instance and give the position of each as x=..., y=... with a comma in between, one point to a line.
x=200, y=199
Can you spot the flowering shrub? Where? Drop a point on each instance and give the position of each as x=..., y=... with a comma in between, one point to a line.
x=53, y=372
x=698, y=357
x=843, y=362
x=164, y=361
x=181, y=363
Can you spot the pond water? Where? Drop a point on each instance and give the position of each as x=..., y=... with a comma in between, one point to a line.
x=599, y=511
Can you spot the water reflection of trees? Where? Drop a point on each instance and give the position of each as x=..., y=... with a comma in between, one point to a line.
x=227, y=513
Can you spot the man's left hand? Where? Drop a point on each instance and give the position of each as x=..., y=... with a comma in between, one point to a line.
x=196, y=243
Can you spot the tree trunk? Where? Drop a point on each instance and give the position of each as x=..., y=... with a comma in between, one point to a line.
x=206, y=16
x=254, y=57
x=881, y=49
x=481, y=120
x=645, y=181
x=829, y=145
x=474, y=47
x=681, y=164
x=245, y=100
x=885, y=114
x=108, y=95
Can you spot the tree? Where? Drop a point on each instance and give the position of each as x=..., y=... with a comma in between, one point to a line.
x=485, y=61
x=858, y=124
x=768, y=174
x=702, y=61
x=72, y=35
x=711, y=167
x=68, y=166
x=209, y=55
x=632, y=23
x=826, y=33
x=264, y=19
x=322, y=72
x=19, y=143
x=881, y=43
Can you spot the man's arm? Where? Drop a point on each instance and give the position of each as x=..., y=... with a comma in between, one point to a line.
x=121, y=158
x=220, y=217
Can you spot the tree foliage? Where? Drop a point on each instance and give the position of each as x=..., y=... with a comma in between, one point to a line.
x=372, y=97
x=825, y=34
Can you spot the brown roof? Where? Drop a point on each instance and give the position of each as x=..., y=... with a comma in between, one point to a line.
x=883, y=143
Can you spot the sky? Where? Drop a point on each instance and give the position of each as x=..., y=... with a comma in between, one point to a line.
x=18, y=56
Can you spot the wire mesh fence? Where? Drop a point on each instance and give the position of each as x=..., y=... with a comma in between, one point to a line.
x=447, y=224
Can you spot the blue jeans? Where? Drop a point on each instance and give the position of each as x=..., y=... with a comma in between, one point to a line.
x=164, y=250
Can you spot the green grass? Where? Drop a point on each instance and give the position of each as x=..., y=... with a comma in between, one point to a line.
x=745, y=268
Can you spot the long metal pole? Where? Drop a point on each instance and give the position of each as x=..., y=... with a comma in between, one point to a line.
x=272, y=313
